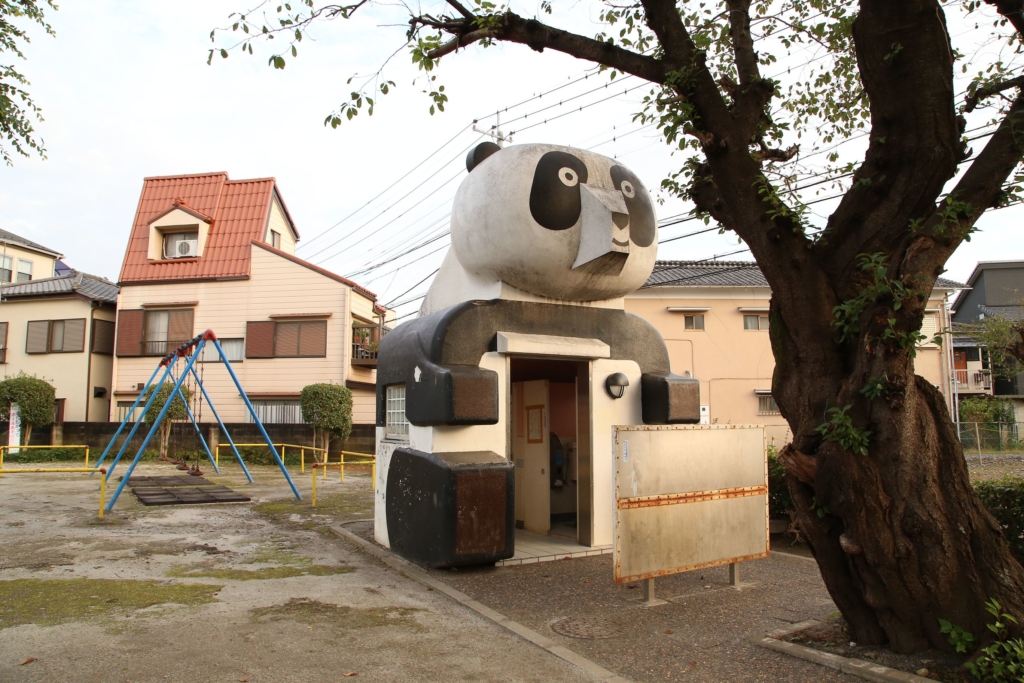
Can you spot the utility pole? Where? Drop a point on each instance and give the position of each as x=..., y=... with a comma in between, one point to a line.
x=494, y=131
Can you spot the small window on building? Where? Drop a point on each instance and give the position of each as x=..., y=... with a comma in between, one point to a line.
x=275, y=239
x=276, y=411
x=181, y=245
x=165, y=330
x=396, y=425
x=693, y=322
x=307, y=339
x=55, y=336
x=3, y=342
x=766, y=404
x=234, y=349
x=755, y=322
x=24, y=270
x=6, y=268
x=125, y=407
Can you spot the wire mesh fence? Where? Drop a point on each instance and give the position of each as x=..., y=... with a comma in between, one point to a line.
x=991, y=437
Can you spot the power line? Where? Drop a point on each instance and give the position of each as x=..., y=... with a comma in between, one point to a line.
x=378, y=195
x=413, y=287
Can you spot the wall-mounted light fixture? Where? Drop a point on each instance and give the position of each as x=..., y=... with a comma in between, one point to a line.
x=616, y=385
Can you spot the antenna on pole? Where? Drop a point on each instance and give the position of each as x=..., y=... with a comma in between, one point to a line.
x=494, y=132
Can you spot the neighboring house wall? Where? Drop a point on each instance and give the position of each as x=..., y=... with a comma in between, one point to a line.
x=41, y=265
x=277, y=289
x=73, y=374
x=735, y=364
x=278, y=224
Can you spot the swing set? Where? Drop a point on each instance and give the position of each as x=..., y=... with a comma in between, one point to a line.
x=189, y=353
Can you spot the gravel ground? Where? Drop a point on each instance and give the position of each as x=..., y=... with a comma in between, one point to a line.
x=994, y=466
x=699, y=635
x=261, y=593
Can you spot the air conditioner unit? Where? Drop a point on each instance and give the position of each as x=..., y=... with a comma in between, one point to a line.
x=188, y=248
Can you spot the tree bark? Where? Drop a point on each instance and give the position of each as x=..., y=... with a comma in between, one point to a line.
x=165, y=437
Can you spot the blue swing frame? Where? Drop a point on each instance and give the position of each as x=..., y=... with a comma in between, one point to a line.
x=168, y=362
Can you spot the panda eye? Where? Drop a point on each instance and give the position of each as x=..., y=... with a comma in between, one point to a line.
x=568, y=176
x=627, y=189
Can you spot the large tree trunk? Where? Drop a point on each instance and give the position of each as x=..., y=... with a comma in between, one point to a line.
x=899, y=535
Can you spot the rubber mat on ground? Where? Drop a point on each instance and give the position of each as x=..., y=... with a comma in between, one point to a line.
x=178, y=480
x=187, y=495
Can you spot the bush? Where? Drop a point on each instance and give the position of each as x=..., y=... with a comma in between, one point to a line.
x=55, y=454
x=978, y=409
x=779, y=502
x=1004, y=498
x=328, y=408
x=35, y=399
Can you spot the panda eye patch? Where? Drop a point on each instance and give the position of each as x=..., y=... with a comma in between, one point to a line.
x=555, y=201
x=568, y=176
x=627, y=189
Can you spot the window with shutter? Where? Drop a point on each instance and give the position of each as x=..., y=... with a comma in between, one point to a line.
x=74, y=335
x=259, y=339
x=3, y=342
x=313, y=339
x=129, y=332
x=37, y=338
x=179, y=327
x=102, y=336
x=929, y=329
x=286, y=340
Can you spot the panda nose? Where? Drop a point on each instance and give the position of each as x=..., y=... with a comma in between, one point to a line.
x=604, y=233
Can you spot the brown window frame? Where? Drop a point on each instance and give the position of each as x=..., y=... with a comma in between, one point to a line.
x=98, y=322
x=49, y=336
x=168, y=343
x=298, y=342
x=6, y=326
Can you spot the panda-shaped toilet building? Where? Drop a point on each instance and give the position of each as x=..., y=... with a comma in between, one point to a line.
x=495, y=406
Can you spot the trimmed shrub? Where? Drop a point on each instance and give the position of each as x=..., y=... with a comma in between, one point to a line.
x=1004, y=498
x=328, y=408
x=779, y=502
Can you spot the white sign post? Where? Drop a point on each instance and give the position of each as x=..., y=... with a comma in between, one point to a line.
x=688, y=497
x=14, y=430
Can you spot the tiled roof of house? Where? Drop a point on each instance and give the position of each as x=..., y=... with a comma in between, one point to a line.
x=11, y=238
x=1008, y=312
x=724, y=274
x=238, y=209
x=91, y=286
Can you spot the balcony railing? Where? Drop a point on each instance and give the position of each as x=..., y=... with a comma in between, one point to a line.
x=973, y=380
x=365, y=340
x=160, y=348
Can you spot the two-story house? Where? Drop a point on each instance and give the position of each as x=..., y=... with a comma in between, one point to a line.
x=22, y=260
x=208, y=252
x=995, y=289
x=61, y=329
x=714, y=319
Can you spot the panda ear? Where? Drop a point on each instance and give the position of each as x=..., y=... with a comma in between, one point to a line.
x=479, y=153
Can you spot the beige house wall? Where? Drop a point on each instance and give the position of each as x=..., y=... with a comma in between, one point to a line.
x=42, y=265
x=731, y=362
x=279, y=224
x=73, y=375
x=277, y=287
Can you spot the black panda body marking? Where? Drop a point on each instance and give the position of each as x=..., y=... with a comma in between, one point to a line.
x=642, y=226
x=555, y=196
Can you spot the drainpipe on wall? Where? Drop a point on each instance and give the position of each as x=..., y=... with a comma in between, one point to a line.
x=88, y=359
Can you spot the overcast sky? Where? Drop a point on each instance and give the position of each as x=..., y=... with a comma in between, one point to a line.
x=126, y=94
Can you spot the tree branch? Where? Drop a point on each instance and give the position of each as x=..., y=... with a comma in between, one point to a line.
x=1013, y=10
x=743, y=42
x=663, y=18
x=972, y=101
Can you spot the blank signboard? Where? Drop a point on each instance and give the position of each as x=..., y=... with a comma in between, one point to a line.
x=688, y=497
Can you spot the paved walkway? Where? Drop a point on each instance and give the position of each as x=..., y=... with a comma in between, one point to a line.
x=533, y=547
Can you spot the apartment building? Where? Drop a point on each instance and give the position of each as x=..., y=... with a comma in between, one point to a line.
x=714, y=319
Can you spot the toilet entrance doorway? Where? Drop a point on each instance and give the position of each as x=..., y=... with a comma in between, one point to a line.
x=550, y=443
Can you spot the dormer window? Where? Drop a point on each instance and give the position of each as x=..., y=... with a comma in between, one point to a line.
x=181, y=245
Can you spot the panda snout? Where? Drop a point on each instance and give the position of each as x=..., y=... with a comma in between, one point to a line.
x=604, y=231
x=621, y=220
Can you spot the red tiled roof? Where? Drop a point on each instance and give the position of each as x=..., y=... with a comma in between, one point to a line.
x=334, y=276
x=239, y=211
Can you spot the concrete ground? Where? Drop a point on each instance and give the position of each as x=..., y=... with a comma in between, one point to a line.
x=256, y=593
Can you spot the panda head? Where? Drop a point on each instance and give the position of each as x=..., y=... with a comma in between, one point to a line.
x=554, y=221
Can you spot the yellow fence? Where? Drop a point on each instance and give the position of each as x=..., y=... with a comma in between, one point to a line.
x=93, y=470
x=4, y=449
x=281, y=447
x=363, y=460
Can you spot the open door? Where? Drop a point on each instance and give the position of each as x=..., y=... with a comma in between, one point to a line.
x=536, y=479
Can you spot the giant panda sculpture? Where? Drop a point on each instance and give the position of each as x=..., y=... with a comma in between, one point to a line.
x=546, y=242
